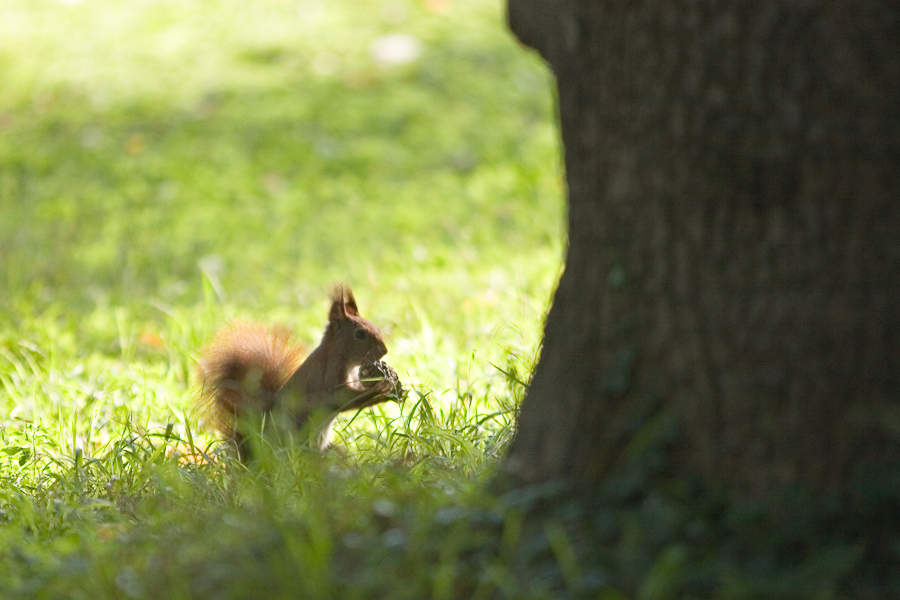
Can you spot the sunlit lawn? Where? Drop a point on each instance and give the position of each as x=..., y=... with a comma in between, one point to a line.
x=168, y=165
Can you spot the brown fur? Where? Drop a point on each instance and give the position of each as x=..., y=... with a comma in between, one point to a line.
x=249, y=368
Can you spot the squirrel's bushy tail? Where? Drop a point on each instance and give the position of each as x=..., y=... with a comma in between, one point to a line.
x=243, y=368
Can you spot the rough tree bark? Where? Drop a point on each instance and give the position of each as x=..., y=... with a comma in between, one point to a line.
x=734, y=238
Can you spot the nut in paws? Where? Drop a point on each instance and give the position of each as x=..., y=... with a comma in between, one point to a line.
x=373, y=373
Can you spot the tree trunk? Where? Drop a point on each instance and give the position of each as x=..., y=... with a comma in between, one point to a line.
x=734, y=239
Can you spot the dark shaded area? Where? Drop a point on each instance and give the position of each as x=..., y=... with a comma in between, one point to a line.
x=734, y=259
x=730, y=305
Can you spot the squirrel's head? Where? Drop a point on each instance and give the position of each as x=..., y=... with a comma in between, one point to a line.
x=356, y=338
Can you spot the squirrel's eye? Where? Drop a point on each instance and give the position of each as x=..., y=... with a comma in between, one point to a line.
x=360, y=334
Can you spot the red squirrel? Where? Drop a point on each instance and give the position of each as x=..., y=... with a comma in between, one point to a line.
x=250, y=370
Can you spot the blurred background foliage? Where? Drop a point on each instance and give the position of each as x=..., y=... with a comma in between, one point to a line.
x=273, y=145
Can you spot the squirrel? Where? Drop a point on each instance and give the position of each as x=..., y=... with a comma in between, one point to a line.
x=250, y=371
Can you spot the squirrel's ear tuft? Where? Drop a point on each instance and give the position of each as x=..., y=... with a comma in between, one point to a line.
x=343, y=304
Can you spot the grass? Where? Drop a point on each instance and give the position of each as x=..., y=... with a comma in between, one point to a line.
x=166, y=166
